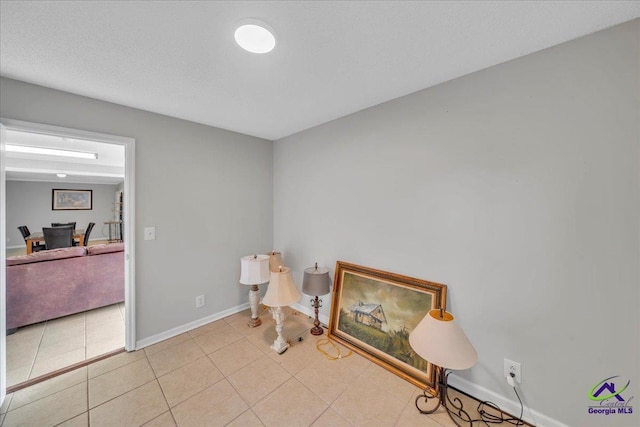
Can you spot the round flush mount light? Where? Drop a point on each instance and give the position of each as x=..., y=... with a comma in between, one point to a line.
x=255, y=36
x=61, y=175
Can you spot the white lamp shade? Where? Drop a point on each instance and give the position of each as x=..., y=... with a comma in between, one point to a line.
x=316, y=281
x=275, y=261
x=282, y=291
x=254, y=269
x=442, y=342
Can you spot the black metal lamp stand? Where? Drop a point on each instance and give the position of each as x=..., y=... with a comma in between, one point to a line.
x=454, y=407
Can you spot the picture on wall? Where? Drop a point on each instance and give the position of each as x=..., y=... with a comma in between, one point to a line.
x=373, y=312
x=71, y=200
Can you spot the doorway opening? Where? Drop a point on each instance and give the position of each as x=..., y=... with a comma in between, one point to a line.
x=107, y=181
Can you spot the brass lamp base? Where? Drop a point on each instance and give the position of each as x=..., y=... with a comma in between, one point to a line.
x=454, y=408
x=316, y=303
x=317, y=330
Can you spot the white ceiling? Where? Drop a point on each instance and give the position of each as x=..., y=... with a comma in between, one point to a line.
x=333, y=58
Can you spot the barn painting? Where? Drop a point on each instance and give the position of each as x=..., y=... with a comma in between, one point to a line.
x=368, y=314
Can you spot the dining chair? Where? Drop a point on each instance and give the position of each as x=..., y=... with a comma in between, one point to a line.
x=35, y=246
x=58, y=237
x=64, y=224
x=87, y=232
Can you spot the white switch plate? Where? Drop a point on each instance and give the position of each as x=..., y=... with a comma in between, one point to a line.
x=149, y=233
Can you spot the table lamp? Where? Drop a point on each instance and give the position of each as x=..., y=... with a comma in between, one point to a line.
x=439, y=340
x=316, y=282
x=282, y=291
x=254, y=269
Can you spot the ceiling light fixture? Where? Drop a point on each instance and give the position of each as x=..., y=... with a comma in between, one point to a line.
x=50, y=151
x=255, y=36
x=61, y=175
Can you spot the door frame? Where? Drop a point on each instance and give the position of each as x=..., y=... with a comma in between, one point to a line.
x=129, y=225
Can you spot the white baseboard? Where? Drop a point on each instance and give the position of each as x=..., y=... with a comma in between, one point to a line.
x=510, y=406
x=154, y=339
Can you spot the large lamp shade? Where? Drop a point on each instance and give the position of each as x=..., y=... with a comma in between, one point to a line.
x=282, y=291
x=439, y=340
x=254, y=269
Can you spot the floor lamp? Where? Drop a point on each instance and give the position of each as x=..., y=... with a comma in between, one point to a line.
x=254, y=269
x=316, y=282
x=282, y=292
x=440, y=341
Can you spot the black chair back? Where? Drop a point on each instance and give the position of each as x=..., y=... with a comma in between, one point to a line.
x=24, y=230
x=58, y=237
x=35, y=246
x=64, y=224
x=87, y=232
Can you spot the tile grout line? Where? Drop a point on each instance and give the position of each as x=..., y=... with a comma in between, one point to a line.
x=35, y=356
x=120, y=395
x=88, y=414
x=161, y=389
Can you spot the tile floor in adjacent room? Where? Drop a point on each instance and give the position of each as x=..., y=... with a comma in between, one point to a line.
x=44, y=347
x=224, y=373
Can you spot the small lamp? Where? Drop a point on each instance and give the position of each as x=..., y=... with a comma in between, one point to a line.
x=316, y=282
x=275, y=260
x=254, y=269
x=282, y=291
x=439, y=340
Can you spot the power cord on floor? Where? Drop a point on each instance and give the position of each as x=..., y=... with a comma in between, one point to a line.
x=489, y=418
x=324, y=341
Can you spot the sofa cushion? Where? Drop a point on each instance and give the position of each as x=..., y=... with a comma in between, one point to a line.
x=105, y=248
x=49, y=255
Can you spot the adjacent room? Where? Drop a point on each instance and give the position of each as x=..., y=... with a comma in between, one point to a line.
x=62, y=306
x=379, y=213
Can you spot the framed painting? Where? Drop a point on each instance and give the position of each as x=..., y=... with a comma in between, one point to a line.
x=373, y=312
x=71, y=200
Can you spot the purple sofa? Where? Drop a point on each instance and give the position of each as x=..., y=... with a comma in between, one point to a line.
x=58, y=282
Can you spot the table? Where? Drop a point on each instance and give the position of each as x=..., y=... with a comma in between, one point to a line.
x=38, y=236
x=115, y=231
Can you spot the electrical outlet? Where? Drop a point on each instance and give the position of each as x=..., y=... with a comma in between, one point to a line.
x=200, y=301
x=511, y=367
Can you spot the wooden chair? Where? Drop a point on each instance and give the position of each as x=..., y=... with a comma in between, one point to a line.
x=35, y=247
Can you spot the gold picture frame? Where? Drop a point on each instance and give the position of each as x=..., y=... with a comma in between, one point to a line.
x=373, y=312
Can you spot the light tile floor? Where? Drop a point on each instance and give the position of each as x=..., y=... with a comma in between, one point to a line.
x=224, y=373
x=47, y=346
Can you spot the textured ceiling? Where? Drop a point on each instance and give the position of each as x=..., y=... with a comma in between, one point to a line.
x=333, y=58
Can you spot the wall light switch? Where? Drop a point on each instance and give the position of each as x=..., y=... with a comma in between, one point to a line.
x=149, y=233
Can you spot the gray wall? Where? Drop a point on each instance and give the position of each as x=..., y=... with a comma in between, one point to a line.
x=518, y=187
x=207, y=191
x=29, y=203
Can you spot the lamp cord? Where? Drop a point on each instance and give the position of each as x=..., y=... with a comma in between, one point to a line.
x=325, y=341
x=488, y=418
